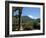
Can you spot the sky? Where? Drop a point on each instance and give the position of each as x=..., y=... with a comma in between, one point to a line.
x=32, y=12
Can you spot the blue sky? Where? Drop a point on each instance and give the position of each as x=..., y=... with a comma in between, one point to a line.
x=32, y=12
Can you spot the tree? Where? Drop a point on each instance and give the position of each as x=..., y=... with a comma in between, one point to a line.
x=28, y=25
x=20, y=12
x=36, y=24
x=19, y=15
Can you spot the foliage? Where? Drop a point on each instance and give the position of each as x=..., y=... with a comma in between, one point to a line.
x=27, y=23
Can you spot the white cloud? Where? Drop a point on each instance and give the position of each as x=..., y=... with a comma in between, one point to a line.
x=32, y=17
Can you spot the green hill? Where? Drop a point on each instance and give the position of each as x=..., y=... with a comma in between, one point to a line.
x=27, y=23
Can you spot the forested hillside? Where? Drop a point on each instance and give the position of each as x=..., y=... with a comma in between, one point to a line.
x=26, y=22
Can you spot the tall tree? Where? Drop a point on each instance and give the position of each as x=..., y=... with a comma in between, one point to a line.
x=20, y=20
